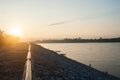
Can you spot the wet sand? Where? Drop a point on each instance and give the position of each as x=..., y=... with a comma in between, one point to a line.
x=12, y=61
x=48, y=65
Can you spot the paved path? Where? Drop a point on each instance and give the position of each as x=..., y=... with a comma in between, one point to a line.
x=28, y=73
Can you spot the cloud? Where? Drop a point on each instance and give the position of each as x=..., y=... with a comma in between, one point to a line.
x=63, y=22
x=57, y=23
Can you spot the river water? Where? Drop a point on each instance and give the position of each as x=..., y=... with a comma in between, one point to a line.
x=102, y=56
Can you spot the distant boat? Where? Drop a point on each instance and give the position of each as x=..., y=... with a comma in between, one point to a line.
x=58, y=51
x=63, y=54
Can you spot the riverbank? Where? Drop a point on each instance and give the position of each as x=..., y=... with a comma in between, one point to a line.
x=12, y=61
x=48, y=65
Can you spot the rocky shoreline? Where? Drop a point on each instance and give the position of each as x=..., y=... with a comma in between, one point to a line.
x=48, y=65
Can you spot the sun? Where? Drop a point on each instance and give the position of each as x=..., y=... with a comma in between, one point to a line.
x=16, y=31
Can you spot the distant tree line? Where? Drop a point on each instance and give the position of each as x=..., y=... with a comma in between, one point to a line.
x=79, y=40
x=6, y=40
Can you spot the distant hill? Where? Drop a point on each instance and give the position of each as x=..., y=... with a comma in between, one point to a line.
x=79, y=40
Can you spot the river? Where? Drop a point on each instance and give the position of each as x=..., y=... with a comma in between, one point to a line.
x=102, y=56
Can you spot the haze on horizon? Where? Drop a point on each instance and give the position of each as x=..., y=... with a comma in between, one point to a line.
x=46, y=19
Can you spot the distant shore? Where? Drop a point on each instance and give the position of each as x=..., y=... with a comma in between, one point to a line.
x=79, y=40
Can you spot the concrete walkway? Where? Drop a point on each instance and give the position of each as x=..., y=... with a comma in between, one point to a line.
x=27, y=71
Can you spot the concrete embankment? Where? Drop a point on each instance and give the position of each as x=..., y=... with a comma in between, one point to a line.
x=48, y=65
x=12, y=61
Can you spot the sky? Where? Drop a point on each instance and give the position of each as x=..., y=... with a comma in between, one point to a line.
x=56, y=19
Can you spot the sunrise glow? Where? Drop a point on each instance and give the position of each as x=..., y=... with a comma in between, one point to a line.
x=16, y=31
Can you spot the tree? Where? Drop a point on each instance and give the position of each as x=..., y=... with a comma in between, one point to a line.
x=1, y=38
x=6, y=40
